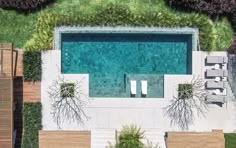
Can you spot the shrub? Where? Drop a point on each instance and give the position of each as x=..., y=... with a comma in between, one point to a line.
x=42, y=38
x=130, y=137
x=24, y=4
x=67, y=90
x=223, y=33
x=32, y=65
x=185, y=91
x=111, y=15
x=31, y=124
x=230, y=140
x=211, y=7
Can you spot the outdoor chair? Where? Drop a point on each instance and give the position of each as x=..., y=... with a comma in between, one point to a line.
x=144, y=87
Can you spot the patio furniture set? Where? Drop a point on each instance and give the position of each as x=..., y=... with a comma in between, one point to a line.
x=216, y=79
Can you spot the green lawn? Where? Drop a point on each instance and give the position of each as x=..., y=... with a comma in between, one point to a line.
x=230, y=140
x=18, y=28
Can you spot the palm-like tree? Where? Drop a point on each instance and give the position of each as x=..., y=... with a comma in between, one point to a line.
x=130, y=137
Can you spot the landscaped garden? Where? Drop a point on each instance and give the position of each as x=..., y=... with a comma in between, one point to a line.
x=34, y=30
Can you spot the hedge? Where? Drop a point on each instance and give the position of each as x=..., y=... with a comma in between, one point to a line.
x=118, y=15
x=24, y=5
x=31, y=124
x=211, y=7
x=32, y=65
x=230, y=140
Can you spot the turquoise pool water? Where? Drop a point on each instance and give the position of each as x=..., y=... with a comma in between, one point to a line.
x=113, y=59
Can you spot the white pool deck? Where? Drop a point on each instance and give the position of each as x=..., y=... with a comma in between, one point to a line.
x=108, y=114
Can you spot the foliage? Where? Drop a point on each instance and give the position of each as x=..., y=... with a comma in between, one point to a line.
x=185, y=91
x=17, y=27
x=25, y=5
x=131, y=137
x=32, y=65
x=67, y=101
x=230, y=140
x=211, y=7
x=214, y=8
x=67, y=90
x=31, y=124
x=189, y=102
x=43, y=36
x=120, y=15
x=223, y=33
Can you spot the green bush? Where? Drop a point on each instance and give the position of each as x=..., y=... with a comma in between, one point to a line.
x=67, y=90
x=130, y=137
x=43, y=36
x=185, y=91
x=120, y=15
x=32, y=65
x=230, y=140
x=223, y=34
x=31, y=124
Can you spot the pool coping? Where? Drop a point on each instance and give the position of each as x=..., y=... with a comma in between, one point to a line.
x=157, y=30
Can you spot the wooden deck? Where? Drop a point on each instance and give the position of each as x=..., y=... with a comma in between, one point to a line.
x=64, y=139
x=6, y=96
x=23, y=92
x=12, y=66
x=28, y=91
x=214, y=139
x=6, y=113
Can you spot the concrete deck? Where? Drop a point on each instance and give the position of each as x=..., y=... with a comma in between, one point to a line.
x=113, y=113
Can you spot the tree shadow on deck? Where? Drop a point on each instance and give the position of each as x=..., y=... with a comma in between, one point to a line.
x=18, y=99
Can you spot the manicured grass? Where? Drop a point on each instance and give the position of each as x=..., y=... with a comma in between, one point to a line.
x=15, y=27
x=230, y=140
x=21, y=26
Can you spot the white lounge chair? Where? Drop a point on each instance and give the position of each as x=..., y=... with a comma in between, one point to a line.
x=216, y=99
x=213, y=84
x=216, y=59
x=216, y=73
x=144, y=87
x=219, y=92
x=133, y=87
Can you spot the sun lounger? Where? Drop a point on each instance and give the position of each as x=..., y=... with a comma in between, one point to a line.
x=213, y=84
x=133, y=87
x=219, y=92
x=216, y=98
x=144, y=87
x=216, y=73
x=216, y=59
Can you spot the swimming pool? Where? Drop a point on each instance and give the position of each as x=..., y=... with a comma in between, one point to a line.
x=112, y=59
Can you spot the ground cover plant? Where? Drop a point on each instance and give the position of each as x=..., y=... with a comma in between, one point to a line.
x=230, y=140
x=31, y=124
x=141, y=12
